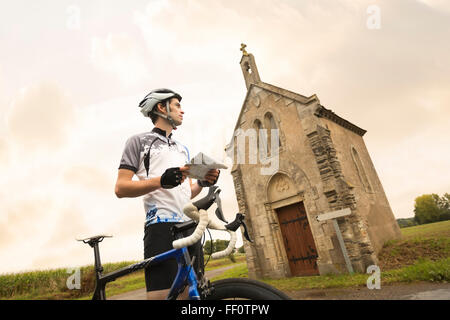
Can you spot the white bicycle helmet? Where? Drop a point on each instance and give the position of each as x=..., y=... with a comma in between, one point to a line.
x=148, y=104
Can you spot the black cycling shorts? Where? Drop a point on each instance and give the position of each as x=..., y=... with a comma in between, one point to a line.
x=158, y=238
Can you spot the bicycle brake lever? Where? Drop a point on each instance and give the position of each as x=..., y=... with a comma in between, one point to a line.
x=233, y=226
x=246, y=235
x=206, y=202
x=219, y=212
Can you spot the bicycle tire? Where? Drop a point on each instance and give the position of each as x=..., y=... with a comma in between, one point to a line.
x=239, y=288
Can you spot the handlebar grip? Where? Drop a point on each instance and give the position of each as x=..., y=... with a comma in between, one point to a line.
x=204, y=221
x=228, y=250
x=191, y=211
x=196, y=235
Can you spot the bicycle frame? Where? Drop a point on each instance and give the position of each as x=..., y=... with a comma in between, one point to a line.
x=185, y=272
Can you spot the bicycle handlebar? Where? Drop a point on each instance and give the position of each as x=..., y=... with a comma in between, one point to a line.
x=204, y=221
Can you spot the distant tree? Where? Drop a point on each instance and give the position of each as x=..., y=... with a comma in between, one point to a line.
x=426, y=209
x=444, y=205
x=220, y=245
x=217, y=245
x=241, y=250
x=431, y=208
x=207, y=249
x=406, y=222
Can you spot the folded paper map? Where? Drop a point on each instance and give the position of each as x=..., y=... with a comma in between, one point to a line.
x=201, y=164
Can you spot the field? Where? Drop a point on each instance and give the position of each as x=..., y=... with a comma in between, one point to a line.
x=423, y=254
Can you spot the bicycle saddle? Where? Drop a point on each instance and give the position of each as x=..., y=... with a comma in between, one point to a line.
x=94, y=239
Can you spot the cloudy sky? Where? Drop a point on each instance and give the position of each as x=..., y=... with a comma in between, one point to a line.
x=72, y=74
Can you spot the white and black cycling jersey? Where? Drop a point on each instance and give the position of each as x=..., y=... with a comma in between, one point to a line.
x=148, y=155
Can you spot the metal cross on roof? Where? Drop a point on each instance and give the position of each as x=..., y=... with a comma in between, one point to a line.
x=244, y=52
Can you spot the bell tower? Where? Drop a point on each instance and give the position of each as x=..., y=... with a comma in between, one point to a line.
x=248, y=66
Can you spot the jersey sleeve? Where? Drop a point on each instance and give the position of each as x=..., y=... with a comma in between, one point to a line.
x=131, y=154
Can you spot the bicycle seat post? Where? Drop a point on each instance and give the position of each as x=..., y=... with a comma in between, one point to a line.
x=98, y=263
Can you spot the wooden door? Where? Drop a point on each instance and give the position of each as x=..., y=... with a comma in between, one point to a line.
x=298, y=240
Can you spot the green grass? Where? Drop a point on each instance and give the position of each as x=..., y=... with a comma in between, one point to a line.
x=51, y=284
x=239, y=271
x=429, y=241
x=125, y=284
x=223, y=262
x=425, y=231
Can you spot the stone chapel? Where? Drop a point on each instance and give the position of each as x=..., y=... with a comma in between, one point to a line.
x=323, y=166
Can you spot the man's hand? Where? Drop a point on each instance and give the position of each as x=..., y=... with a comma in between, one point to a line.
x=210, y=179
x=185, y=172
x=173, y=177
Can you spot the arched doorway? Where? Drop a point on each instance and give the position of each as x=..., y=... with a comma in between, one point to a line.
x=295, y=230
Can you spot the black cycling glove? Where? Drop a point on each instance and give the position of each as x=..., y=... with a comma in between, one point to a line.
x=204, y=183
x=171, y=178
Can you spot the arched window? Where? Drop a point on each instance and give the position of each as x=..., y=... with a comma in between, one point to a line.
x=270, y=124
x=260, y=140
x=361, y=172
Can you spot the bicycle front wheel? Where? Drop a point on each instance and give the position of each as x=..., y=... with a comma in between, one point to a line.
x=238, y=288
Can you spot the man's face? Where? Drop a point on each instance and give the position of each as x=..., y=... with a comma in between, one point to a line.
x=175, y=111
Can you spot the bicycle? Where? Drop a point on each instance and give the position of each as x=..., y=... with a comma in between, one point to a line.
x=200, y=288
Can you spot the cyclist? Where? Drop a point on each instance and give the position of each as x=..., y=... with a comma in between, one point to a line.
x=159, y=163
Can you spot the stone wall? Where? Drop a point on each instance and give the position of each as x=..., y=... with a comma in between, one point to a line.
x=339, y=195
x=372, y=203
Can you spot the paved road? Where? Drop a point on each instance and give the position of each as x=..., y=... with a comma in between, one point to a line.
x=142, y=295
x=416, y=291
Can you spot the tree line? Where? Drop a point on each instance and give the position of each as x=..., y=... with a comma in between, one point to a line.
x=217, y=245
x=428, y=208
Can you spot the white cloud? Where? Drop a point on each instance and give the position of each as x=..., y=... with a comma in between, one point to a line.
x=68, y=192
x=39, y=118
x=414, y=166
x=120, y=55
x=441, y=5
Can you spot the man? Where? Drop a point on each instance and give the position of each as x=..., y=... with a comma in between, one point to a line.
x=159, y=163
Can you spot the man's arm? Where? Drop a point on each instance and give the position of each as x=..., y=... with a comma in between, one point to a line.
x=129, y=188
x=211, y=177
x=126, y=187
x=195, y=189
